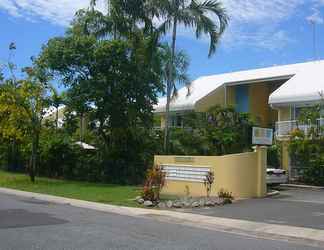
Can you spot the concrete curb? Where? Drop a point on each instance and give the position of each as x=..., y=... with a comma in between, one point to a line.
x=249, y=228
x=273, y=193
x=302, y=186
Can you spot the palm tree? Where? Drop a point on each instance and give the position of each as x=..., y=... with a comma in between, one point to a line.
x=179, y=68
x=191, y=14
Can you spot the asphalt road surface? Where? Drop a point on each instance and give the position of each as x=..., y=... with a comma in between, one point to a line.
x=31, y=224
x=293, y=207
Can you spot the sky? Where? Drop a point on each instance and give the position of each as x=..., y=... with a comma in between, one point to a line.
x=261, y=33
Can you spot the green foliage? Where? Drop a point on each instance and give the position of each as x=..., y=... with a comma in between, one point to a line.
x=220, y=131
x=128, y=161
x=113, y=68
x=273, y=155
x=308, y=155
x=228, y=131
x=60, y=157
x=179, y=69
x=22, y=105
x=226, y=195
x=113, y=84
x=197, y=17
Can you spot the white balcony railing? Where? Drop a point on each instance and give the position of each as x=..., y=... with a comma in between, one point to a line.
x=284, y=128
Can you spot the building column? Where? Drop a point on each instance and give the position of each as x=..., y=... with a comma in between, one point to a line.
x=261, y=171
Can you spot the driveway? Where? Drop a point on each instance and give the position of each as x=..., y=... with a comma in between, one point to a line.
x=294, y=207
x=27, y=223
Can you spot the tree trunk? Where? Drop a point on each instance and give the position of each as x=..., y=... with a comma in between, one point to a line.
x=56, y=118
x=81, y=127
x=33, y=163
x=170, y=83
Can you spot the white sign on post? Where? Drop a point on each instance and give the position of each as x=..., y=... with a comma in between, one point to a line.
x=262, y=136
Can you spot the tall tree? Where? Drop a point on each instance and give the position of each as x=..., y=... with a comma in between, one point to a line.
x=179, y=68
x=22, y=104
x=116, y=81
x=191, y=14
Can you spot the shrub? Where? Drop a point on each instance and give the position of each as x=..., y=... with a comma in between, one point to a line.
x=219, y=131
x=57, y=157
x=155, y=180
x=226, y=195
x=308, y=157
x=273, y=156
x=208, y=182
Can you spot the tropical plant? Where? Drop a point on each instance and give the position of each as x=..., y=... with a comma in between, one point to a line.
x=219, y=131
x=226, y=195
x=114, y=84
x=307, y=155
x=179, y=68
x=155, y=181
x=228, y=131
x=208, y=182
x=191, y=14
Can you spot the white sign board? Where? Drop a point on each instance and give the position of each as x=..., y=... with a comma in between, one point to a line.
x=262, y=136
x=179, y=172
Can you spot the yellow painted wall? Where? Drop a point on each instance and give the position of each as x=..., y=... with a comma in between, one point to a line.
x=259, y=108
x=285, y=158
x=258, y=102
x=242, y=174
x=217, y=97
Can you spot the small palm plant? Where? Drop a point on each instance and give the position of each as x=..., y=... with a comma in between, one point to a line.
x=208, y=182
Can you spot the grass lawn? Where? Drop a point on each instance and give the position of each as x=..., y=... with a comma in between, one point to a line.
x=104, y=193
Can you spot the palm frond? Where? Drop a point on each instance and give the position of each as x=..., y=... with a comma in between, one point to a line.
x=202, y=14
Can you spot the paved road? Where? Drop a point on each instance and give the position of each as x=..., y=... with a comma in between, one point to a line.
x=31, y=224
x=294, y=207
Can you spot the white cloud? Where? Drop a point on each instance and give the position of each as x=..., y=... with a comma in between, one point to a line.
x=248, y=17
x=58, y=12
x=256, y=23
x=315, y=17
x=260, y=11
x=270, y=39
x=9, y=6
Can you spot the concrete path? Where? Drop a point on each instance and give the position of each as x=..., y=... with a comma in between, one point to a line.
x=303, y=235
x=28, y=223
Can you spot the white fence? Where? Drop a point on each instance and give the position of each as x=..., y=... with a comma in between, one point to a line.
x=284, y=128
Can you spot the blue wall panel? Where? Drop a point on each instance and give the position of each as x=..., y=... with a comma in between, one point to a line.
x=242, y=98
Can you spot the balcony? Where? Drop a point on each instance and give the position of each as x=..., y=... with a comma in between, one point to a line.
x=284, y=128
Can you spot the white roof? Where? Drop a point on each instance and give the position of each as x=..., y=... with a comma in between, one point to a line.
x=205, y=85
x=305, y=87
